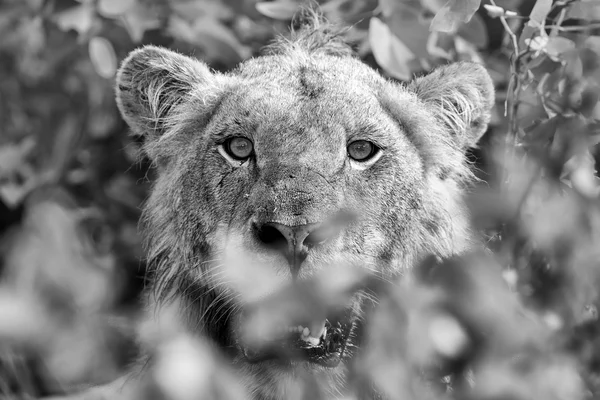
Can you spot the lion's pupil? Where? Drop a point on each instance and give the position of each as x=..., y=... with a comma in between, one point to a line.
x=240, y=147
x=360, y=150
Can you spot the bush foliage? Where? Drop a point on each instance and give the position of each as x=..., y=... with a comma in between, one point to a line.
x=516, y=321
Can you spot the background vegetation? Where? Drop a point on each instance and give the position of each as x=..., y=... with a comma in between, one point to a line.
x=520, y=322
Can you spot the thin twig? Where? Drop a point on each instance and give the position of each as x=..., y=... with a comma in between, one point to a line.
x=512, y=100
x=575, y=28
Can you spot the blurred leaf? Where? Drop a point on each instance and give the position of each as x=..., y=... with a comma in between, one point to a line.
x=13, y=156
x=215, y=39
x=404, y=19
x=110, y=8
x=79, y=18
x=557, y=45
x=103, y=57
x=283, y=10
x=138, y=20
x=538, y=14
x=22, y=321
x=590, y=62
x=542, y=133
x=537, y=19
x=391, y=54
x=494, y=11
x=454, y=13
x=475, y=32
x=586, y=10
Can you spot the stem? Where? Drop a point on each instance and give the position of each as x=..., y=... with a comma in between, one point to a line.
x=511, y=104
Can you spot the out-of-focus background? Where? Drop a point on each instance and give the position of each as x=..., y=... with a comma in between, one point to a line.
x=72, y=182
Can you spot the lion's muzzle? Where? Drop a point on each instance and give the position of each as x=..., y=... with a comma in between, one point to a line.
x=294, y=242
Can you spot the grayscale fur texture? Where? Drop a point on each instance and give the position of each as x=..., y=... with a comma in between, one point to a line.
x=301, y=104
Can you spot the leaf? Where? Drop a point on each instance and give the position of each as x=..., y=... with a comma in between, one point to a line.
x=475, y=32
x=558, y=45
x=586, y=10
x=219, y=42
x=215, y=39
x=389, y=52
x=103, y=57
x=593, y=42
x=138, y=20
x=538, y=43
x=12, y=157
x=541, y=134
x=281, y=10
x=452, y=14
x=538, y=14
x=78, y=18
x=494, y=11
x=404, y=19
x=110, y=8
x=537, y=19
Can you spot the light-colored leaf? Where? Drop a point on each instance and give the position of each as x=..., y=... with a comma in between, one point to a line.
x=110, y=8
x=282, y=10
x=390, y=53
x=538, y=43
x=540, y=11
x=455, y=12
x=494, y=11
x=138, y=20
x=558, y=45
x=405, y=21
x=215, y=39
x=593, y=42
x=537, y=19
x=586, y=10
x=103, y=57
x=78, y=18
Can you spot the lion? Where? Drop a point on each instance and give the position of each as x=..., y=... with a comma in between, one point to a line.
x=262, y=166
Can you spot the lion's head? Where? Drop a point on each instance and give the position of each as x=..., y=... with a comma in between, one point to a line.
x=297, y=160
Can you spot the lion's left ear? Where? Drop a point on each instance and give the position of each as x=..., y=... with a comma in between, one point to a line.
x=461, y=95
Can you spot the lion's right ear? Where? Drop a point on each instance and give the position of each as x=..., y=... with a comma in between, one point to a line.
x=154, y=86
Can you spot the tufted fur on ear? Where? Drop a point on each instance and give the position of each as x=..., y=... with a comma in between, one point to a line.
x=461, y=95
x=158, y=90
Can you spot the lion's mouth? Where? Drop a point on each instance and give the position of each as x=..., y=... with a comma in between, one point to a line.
x=315, y=321
x=321, y=342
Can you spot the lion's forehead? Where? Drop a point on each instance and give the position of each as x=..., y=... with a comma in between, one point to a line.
x=305, y=109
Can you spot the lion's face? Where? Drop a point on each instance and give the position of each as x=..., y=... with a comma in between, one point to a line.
x=292, y=164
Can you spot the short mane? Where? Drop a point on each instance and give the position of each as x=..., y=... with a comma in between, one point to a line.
x=313, y=34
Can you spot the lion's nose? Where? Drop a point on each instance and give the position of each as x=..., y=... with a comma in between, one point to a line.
x=293, y=241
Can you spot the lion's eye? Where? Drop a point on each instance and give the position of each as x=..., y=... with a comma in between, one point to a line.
x=361, y=150
x=239, y=148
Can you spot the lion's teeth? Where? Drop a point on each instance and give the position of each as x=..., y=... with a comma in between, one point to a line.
x=306, y=332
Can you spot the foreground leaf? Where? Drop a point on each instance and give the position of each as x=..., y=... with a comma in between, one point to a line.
x=281, y=10
x=103, y=57
x=452, y=14
x=390, y=53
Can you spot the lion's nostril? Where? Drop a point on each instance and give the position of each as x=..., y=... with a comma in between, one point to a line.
x=270, y=236
x=317, y=237
x=294, y=242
